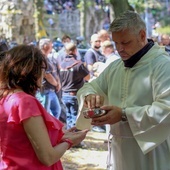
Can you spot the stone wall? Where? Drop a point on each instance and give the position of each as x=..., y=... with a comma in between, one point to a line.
x=17, y=21
x=69, y=23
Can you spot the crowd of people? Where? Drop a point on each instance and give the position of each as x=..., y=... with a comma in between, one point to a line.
x=59, y=6
x=43, y=93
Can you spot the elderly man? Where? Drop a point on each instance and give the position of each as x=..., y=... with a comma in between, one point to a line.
x=135, y=93
x=108, y=51
x=165, y=41
x=103, y=35
x=51, y=83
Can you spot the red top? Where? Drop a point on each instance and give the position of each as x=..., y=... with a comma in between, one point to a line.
x=16, y=152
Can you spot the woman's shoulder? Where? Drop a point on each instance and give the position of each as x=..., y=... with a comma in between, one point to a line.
x=24, y=101
x=21, y=95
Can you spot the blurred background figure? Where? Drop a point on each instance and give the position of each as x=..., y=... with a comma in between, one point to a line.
x=80, y=43
x=3, y=46
x=73, y=75
x=103, y=35
x=3, y=49
x=93, y=54
x=62, y=52
x=53, y=57
x=165, y=41
x=57, y=44
x=51, y=84
x=108, y=51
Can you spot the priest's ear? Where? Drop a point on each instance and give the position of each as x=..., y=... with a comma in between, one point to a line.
x=142, y=34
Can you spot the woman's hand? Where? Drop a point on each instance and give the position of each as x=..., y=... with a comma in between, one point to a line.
x=70, y=130
x=75, y=136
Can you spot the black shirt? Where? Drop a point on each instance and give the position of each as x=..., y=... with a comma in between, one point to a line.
x=72, y=74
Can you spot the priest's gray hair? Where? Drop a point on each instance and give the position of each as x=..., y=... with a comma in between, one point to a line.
x=128, y=20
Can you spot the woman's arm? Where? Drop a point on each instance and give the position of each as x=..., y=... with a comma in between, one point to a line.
x=36, y=131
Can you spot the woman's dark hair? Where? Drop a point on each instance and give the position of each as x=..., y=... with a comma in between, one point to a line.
x=21, y=68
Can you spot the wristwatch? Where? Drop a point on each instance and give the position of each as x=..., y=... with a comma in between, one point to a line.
x=70, y=143
x=124, y=117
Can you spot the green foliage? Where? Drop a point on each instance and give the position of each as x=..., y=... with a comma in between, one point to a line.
x=158, y=10
x=138, y=5
x=141, y=5
x=107, y=1
x=83, y=3
x=164, y=30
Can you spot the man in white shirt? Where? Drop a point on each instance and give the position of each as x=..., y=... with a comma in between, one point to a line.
x=108, y=51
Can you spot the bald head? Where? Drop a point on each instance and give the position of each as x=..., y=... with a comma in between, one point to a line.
x=103, y=35
x=45, y=44
x=94, y=37
x=95, y=41
x=165, y=39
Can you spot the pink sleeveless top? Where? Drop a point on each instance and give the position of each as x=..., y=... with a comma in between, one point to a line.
x=16, y=152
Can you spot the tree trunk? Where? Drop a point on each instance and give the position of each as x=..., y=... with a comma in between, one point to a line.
x=17, y=21
x=39, y=25
x=92, y=18
x=120, y=6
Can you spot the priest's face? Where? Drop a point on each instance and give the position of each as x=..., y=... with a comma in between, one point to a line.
x=129, y=43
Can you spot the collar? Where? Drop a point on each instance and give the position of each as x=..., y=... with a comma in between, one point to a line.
x=136, y=57
x=70, y=56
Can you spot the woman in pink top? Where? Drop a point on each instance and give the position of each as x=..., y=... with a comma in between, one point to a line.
x=30, y=138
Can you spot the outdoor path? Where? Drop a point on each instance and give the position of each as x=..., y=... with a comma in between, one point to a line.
x=92, y=158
